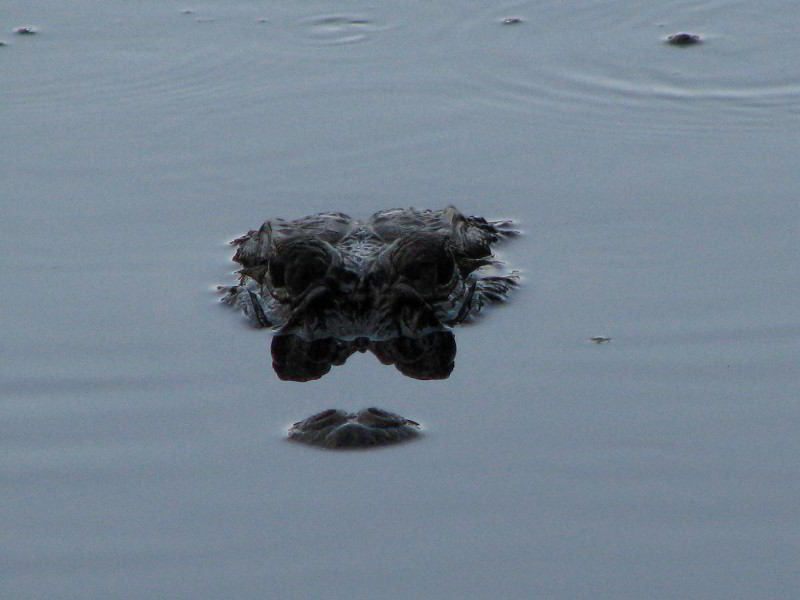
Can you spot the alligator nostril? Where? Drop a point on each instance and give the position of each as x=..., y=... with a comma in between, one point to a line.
x=327, y=418
x=324, y=414
x=375, y=417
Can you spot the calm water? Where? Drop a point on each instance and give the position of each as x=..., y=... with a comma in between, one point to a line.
x=142, y=428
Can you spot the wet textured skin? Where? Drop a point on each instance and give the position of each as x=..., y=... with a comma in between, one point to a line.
x=367, y=428
x=402, y=272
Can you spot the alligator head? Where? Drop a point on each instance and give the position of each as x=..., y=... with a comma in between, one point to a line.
x=402, y=274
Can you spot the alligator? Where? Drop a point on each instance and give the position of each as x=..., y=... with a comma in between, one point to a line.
x=393, y=284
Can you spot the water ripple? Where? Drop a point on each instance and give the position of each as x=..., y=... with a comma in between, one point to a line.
x=338, y=29
x=594, y=66
x=604, y=66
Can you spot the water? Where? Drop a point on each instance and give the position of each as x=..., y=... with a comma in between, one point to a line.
x=142, y=436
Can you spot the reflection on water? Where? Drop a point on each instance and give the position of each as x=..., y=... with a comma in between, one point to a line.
x=430, y=356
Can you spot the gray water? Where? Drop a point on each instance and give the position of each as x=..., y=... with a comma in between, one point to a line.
x=142, y=440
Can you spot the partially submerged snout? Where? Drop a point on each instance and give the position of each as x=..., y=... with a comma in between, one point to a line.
x=367, y=428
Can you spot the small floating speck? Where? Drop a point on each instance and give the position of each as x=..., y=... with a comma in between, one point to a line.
x=599, y=339
x=187, y=12
x=684, y=39
x=513, y=21
x=3, y=44
x=261, y=21
x=25, y=30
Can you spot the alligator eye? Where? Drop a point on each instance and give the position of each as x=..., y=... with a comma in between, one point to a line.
x=303, y=272
x=427, y=263
x=299, y=263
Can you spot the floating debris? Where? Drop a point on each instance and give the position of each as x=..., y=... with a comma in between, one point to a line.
x=513, y=21
x=684, y=39
x=25, y=30
x=599, y=339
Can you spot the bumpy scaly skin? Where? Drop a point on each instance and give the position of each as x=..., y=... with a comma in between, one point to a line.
x=402, y=272
x=368, y=427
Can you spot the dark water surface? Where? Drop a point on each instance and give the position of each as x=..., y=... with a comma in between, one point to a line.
x=142, y=450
